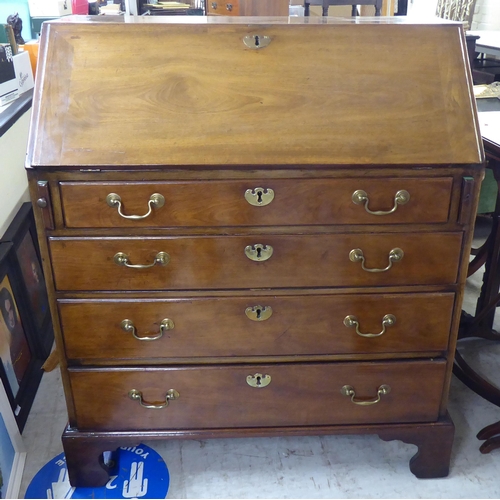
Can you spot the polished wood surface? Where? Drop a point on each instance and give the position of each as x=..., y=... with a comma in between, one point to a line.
x=223, y=203
x=286, y=104
x=220, y=262
x=302, y=324
x=299, y=394
x=247, y=8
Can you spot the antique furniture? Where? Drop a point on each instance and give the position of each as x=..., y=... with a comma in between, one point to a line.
x=245, y=240
x=481, y=324
x=247, y=7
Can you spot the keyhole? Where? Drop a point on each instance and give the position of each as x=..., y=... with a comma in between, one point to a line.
x=259, y=196
x=259, y=250
x=258, y=311
x=259, y=382
x=257, y=42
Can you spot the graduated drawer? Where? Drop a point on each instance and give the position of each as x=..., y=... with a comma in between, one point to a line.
x=220, y=396
x=223, y=203
x=221, y=262
x=229, y=8
x=266, y=325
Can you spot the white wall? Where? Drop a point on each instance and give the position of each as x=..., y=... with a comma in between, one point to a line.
x=13, y=179
x=486, y=15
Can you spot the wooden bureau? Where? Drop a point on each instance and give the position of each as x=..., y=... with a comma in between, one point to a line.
x=244, y=236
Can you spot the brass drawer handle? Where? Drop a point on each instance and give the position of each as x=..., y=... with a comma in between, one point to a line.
x=349, y=391
x=128, y=326
x=395, y=255
x=229, y=7
x=401, y=198
x=156, y=199
x=259, y=313
x=161, y=259
x=258, y=380
x=387, y=320
x=137, y=395
x=259, y=197
x=258, y=252
x=214, y=5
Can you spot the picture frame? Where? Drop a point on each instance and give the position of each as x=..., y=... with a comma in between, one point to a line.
x=20, y=360
x=22, y=234
x=12, y=450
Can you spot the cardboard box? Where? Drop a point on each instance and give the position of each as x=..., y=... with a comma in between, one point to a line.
x=47, y=8
x=8, y=81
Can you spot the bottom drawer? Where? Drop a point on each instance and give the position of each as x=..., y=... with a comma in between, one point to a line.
x=220, y=396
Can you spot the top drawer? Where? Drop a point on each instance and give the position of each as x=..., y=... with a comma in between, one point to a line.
x=271, y=202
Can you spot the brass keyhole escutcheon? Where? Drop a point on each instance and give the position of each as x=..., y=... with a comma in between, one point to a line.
x=256, y=41
x=259, y=313
x=259, y=197
x=259, y=252
x=258, y=380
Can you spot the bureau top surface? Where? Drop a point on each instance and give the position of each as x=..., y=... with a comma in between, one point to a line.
x=195, y=91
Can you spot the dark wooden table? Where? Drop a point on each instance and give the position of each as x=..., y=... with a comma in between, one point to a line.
x=481, y=324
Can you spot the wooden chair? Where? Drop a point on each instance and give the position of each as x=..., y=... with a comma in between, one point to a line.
x=326, y=3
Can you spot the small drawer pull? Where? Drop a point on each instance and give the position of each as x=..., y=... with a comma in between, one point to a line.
x=349, y=391
x=128, y=326
x=395, y=255
x=401, y=198
x=258, y=380
x=137, y=395
x=259, y=313
x=387, y=320
x=259, y=252
x=214, y=5
x=156, y=199
x=229, y=7
x=161, y=259
x=259, y=197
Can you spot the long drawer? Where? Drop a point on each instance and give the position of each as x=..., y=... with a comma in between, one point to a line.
x=296, y=394
x=250, y=203
x=322, y=260
x=267, y=325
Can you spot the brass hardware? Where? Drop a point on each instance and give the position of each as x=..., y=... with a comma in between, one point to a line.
x=156, y=199
x=42, y=202
x=258, y=252
x=259, y=313
x=229, y=7
x=349, y=391
x=137, y=395
x=161, y=259
x=258, y=380
x=259, y=197
x=401, y=198
x=395, y=255
x=214, y=5
x=387, y=320
x=128, y=326
x=256, y=41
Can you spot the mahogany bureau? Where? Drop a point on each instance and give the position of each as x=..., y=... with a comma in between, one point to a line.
x=245, y=236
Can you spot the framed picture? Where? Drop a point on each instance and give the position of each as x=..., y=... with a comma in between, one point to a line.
x=22, y=234
x=20, y=366
x=12, y=452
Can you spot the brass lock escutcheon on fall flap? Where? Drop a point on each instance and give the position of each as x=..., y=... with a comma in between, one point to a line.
x=128, y=326
x=169, y=396
x=259, y=313
x=258, y=252
x=156, y=200
x=256, y=41
x=349, y=391
x=259, y=197
x=360, y=197
x=258, y=380
x=352, y=322
x=356, y=255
